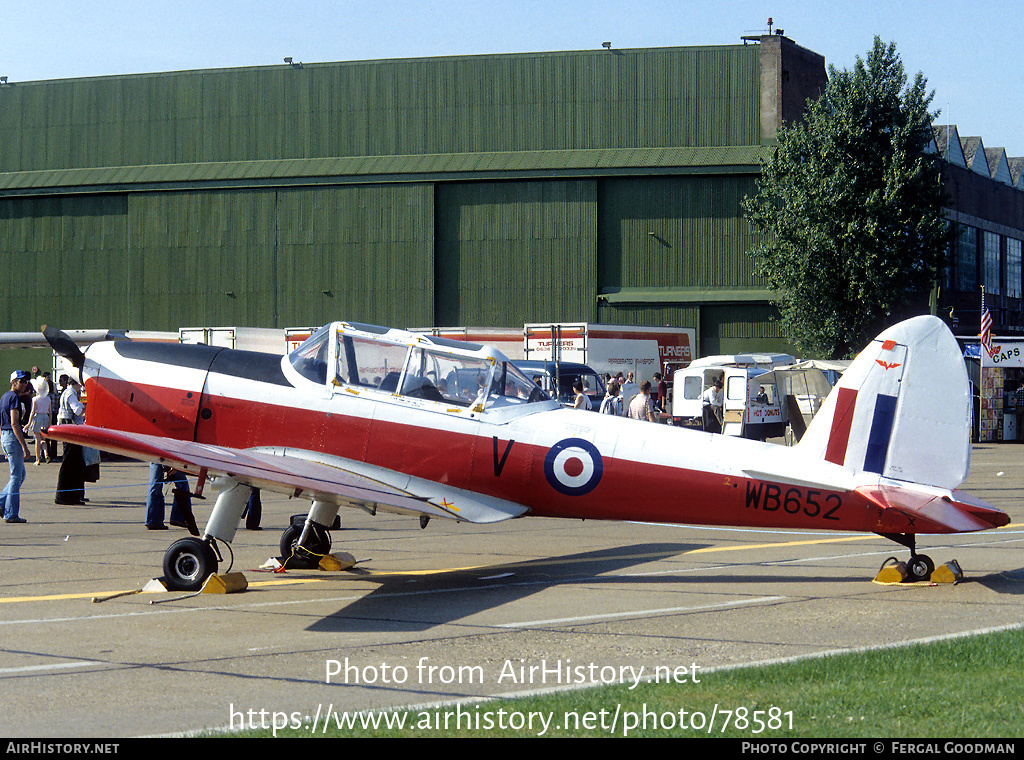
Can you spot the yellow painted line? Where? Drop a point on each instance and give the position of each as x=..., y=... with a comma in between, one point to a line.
x=745, y=547
x=541, y=562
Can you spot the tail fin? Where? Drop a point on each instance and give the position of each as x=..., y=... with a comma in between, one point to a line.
x=902, y=410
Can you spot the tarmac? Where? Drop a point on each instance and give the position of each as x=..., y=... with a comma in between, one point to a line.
x=448, y=613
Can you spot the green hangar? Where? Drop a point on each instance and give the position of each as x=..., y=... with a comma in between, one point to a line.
x=599, y=186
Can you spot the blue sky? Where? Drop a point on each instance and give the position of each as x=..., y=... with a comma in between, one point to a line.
x=969, y=52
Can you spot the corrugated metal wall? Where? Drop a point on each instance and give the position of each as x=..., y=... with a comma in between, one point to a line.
x=270, y=258
x=422, y=248
x=679, y=231
x=516, y=252
x=64, y=256
x=742, y=327
x=547, y=101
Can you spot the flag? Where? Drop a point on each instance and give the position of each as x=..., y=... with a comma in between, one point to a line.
x=986, y=328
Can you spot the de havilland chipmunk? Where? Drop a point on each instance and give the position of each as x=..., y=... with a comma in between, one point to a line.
x=384, y=419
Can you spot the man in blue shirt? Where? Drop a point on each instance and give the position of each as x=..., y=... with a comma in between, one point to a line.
x=13, y=441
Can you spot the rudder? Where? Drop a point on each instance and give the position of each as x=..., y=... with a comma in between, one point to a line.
x=902, y=410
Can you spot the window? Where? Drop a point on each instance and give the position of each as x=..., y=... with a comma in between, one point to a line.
x=992, y=263
x=736, y=388
x=437, y=376
x=693, y=386
x=967, y=258
x=1013, y=268
x=310, y=359
x=465, y=381
x=370, y=363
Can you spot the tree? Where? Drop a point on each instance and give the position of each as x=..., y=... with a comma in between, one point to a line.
x=850, y=207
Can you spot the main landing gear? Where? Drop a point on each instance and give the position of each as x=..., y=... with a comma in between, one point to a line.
x=308, y=538
x=920, y=566
x=188, y=562
x=305, y=541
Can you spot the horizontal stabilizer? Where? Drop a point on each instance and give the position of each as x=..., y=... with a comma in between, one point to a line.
x=906, y=510
x=330, y=479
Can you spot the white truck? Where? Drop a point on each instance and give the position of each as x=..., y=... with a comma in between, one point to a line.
x=611, y=348
x=752, y=408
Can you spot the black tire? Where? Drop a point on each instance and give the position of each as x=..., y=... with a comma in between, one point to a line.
x=920, y=568
x=289, y=538
x=320, y=544
x=188, y=562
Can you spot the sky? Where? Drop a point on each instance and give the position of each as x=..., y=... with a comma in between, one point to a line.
x=970, y=53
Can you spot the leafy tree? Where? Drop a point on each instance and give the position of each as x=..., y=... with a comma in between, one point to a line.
x=850, y=207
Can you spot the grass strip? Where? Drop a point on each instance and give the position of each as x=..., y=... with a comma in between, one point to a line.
x=961, y=688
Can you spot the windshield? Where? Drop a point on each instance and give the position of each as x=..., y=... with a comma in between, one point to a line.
x=310, y=358
x=433, y=374
x=466, y=381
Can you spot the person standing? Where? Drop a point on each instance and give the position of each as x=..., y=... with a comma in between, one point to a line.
x=38, y=419
x=628, y=390
x=612, y=404
x=13, y=441
x=581, y=401
x=155, y=504
x=662, y=400
x=71, y=478
x=641, y=407
x=713, y=407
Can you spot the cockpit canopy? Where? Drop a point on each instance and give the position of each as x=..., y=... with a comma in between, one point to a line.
x=413, y=365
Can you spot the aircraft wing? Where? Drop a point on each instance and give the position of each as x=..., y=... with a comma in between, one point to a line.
x=301, y=473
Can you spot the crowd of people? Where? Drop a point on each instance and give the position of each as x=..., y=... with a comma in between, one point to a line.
x=625, y=398
x=32, y=404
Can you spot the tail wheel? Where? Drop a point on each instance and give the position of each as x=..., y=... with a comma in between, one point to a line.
x=188, y=562
x=920, y=567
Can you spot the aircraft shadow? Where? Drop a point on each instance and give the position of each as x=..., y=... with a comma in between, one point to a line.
x=420, y=602
x=1005, y=582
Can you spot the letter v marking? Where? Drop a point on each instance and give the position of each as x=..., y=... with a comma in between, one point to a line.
x=499, y=463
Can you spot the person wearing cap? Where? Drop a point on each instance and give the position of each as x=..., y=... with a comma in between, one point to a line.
x=71, y=477
x=13, y=441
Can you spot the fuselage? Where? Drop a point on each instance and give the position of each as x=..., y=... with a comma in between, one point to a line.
x=558, y=462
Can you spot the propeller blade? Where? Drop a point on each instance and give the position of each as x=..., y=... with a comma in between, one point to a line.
x=63, y=345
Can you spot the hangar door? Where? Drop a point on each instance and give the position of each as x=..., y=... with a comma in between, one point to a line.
x=514, y=252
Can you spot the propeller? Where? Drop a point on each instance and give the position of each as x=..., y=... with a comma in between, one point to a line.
x=61, y=343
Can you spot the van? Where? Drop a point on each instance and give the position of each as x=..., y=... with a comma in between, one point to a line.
x=751, y=408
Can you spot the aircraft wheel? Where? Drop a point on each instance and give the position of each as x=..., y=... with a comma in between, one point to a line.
x=321, y=543
x=188, y=562
x=289, y=538
x=920, y=567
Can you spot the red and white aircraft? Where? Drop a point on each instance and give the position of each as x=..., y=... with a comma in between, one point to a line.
x=376, y=418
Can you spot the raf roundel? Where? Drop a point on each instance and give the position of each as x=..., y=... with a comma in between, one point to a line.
x=573, y=466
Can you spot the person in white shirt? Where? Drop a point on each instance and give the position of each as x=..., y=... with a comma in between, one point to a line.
x=71, y=477
x=712, y=407
x=38, y=419
x=582, y=400
x=641, y=407
x=612, y=404
x=628, y=390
